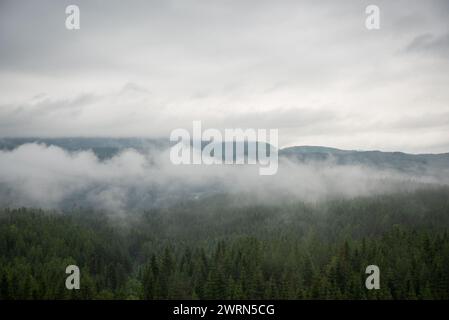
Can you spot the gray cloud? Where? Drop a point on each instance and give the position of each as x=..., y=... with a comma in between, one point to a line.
x=311, y=69
x=428, y=43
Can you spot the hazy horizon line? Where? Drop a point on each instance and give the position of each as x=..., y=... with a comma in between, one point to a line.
x=285, y=147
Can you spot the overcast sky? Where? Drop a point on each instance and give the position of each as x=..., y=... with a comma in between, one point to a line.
x=311, y=69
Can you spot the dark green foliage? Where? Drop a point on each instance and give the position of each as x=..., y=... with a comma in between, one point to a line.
x=218, y=249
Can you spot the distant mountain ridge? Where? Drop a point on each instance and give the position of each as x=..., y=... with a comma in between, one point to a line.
x=108, y=147
x=395, y=160
x=103, y=148
x=323, y=149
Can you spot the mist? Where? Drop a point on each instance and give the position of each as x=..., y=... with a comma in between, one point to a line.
x=49, y=177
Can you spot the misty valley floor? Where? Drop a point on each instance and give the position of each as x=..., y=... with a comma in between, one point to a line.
x=225, y=248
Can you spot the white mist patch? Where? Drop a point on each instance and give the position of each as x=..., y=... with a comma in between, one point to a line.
x=49, y=177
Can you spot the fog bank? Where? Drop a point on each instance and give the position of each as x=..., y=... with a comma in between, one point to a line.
x=37, y=175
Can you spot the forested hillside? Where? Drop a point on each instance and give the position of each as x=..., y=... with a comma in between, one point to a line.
x=221, y=247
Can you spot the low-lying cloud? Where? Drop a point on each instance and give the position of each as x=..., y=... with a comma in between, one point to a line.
x=37, y=175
